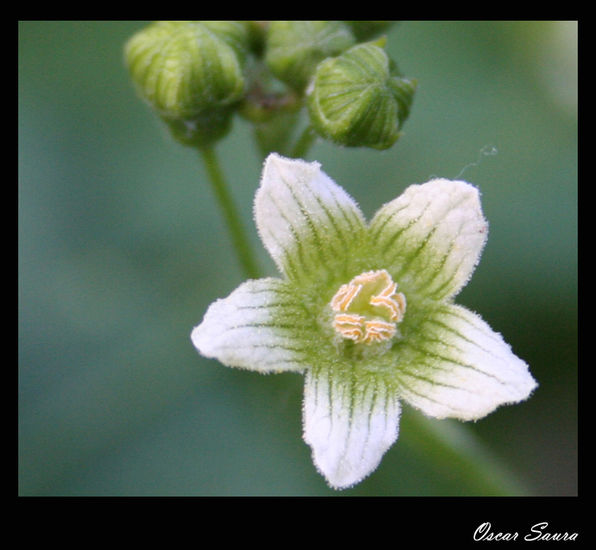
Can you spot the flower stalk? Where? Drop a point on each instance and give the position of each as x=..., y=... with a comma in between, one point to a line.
x=304, y=142
x=456, y=452
x=229, y=213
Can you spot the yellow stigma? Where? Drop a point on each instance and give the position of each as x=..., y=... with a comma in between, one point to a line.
x=368, y=308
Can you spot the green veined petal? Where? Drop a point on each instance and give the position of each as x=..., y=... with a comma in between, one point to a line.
x=260, y=326
x=459, y=367
x=432, y=236
x=349, y=424
x=308, y=223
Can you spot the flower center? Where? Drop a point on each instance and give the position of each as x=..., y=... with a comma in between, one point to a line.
x=368, y=308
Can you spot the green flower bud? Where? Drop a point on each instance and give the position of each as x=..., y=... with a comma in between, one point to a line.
x=236, y=34
x=294, y=48
x=359, y=98
x=190, y=72
x=366, y=30
x=203, y=129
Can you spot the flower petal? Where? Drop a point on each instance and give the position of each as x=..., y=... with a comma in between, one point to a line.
x=431, y=236
x=306, y=221
x=260, y=326
x=459, y=367
x=348, y=425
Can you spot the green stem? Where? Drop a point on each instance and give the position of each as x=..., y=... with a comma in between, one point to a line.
x=456, y=453
x=304, y=143
x=229, y=212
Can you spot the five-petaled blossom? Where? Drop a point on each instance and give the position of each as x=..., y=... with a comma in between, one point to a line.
x=366, y=312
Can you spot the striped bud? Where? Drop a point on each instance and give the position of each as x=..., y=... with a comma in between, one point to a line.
x=358, y=99
x=367, y=30
x=294, y=48
x=190, y=72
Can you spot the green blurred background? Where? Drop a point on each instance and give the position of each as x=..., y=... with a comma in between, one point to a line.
x=121, y=250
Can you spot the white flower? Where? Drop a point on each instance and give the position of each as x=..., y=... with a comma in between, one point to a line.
x=366, y=312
